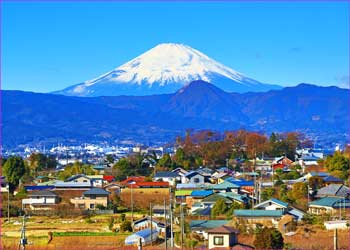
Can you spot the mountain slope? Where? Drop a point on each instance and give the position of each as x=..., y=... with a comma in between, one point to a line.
x=165, y=69
x=47, y=118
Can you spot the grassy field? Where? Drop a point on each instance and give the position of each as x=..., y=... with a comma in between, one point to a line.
x=78, y=232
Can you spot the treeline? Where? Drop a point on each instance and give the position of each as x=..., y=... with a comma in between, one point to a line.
x=213, y=149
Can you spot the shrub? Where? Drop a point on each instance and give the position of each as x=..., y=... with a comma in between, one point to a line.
x=111, y=223
x=269, y=238
x=125, y=226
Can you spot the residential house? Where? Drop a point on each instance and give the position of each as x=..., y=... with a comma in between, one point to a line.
x=206, y=172
x=275, y=204
x=272, y=204
x=306, y=177
x=226, y=186
x=158, y=211
x=201, y=227
x=180, y=171
x=283, y=160
x=146, y=222
x=170, y=177
x=113, y=188
x=219, y=177
x=41, y=200
x=213, y=198
x=222, y=237
x=4, y=186
x=132, y=180
x=193, y=177
x=197, y=196
x=259, y=216
x=91, y=199
x=332, y=180
x=328, y=205
x=333, y=190
x=246, y=186
x=79, y=178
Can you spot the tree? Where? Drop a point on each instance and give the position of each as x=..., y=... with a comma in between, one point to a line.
x=267, y=193
x=299, y=190
x=39, y=161
x=316, y=182
x=220, y=208
x=76, y=168
x=165, y=161
x=13, y=170
x=338, y=164
x=268, y=238
x=110, y=159
x=125, y=226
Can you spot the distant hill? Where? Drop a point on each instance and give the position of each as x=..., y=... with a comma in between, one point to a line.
x=31, y=117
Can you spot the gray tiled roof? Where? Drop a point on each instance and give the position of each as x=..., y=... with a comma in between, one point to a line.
x=166, y=174
x=43, y=193
x=338, y=190
x=96, y=191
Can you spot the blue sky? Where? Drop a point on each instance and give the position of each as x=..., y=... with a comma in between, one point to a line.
x=48, y=46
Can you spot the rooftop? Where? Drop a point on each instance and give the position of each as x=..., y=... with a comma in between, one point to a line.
x=207, y=224
x=96, y=191
x=166, y=174
x=273, y=200
x=201, y=193
x=44, y=193
x=225, y=185
x=223, y=230
x=326, y=202
x=257, y=213
x=338, y=190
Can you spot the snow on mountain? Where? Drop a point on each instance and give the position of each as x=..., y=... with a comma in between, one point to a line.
x=165, y=69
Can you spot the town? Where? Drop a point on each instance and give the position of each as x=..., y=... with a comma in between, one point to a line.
x=237, y=190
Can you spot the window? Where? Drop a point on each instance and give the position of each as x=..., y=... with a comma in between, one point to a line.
x=196, y=180
x=218, y=240
x=92, y=206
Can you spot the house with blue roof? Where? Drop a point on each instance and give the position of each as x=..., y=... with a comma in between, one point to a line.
x=278, y=205
x=226, y=186
x=259, y=216
x=329, y=205
x=272, y=204
x=197, y=196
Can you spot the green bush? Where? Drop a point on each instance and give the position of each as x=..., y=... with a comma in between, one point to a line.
x=125, y=226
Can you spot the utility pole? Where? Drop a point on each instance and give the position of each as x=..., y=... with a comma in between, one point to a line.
x=23, y=241
x=335, y=242
x=8, y=202
x=150, y=211
x=182, y=226
x=132, y=203
x=165, y=224
x=171, y=223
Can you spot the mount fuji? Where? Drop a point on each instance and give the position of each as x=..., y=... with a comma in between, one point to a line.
x=165, y=69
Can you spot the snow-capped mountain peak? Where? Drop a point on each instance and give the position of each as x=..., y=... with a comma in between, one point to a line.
x=164, y=69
